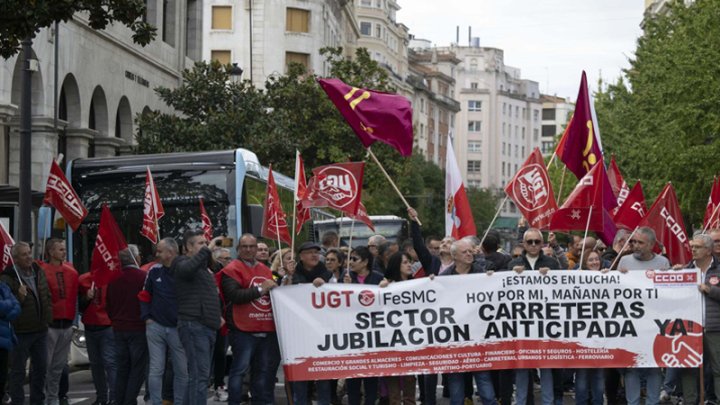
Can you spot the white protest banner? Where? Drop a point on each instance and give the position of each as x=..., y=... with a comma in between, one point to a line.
x=566, y=319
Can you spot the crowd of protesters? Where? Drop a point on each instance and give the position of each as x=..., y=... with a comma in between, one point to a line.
x=167, y=325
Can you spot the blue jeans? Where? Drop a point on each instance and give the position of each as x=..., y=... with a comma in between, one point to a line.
x=161, y=340
x=131, y=359
x=456, y=382
x=523, y=382
x=199, y=341
x=632, y=385
x=33, y=345
x=589, y=381
x=300, y=392
x=101, y=353
x=353, y=390
x=258, y=354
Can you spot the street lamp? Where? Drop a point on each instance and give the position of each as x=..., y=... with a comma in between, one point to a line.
x=235, y=72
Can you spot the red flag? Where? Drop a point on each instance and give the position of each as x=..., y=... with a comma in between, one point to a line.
x=532, y=192
x=302, y=215
x=712, y=212
x=362, y=216
x=274, y=222
x=459, y=220
x=6, y=242
x=619, y=187
x=105, y=266
x=152, y=210
x=574, y=213
x=579, y=147
x=338, y=186
x=666, y=219
x=206, y=223
x=60, y=194
x=633, y=210
x=373, y=115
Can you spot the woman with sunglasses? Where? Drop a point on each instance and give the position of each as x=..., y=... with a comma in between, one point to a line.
x=401, y=390
x=361, y=261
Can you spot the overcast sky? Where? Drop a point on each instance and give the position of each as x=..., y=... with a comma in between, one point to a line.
x=551, y=41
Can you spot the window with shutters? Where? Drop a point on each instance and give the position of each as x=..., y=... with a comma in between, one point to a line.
x=297, y=20
x=221, y=56
x=221, y=18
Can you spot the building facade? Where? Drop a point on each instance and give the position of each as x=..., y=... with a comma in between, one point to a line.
x=264, y=36
x=85, y=100
x=556, y=112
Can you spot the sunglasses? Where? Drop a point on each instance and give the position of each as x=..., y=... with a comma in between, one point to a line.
x=533, y=241
x=354, y=258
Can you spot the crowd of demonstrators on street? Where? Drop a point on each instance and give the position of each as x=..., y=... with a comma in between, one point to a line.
x=167, y=325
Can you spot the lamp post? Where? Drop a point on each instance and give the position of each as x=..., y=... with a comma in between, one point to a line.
x=235, y=72
x=25, y=179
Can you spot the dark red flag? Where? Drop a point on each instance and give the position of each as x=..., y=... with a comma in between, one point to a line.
x=373, y=115
x=619, y=187
x=206, y=223
x=633, y=210
x=338, y=186
x=579, y=148
x=363, y=217
x=574, y=213
x=532, y=192
x=302, y=215
x=6, y=243
x=666, y=219
x=274, y=225
x=60, y=194
x=152, y=210
x=105, y=266
x=712, y=211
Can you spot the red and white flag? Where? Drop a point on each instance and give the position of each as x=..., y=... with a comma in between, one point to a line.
x=712, y=211
x=6, y=242
x=363, y=217
x=302, y=214
x=584, y=207
x=458, y=215
x=206, y=223
x=532, y=192
x=338, y=186
x=152, y=210
x=633, y=210
x=105, y=265
x=60, y=194
x=619, y=187
x=666, y=219
x=274, y=223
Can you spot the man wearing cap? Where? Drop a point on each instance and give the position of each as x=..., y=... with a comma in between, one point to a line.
x=309, y=269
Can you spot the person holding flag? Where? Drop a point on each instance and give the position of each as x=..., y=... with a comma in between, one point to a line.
x=29, y=285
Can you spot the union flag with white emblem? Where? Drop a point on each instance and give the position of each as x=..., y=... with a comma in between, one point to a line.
x=105, y=265
x=206, y=223
x=152, y=210
x=60, y=194
x=532, y=192
x=274, y=224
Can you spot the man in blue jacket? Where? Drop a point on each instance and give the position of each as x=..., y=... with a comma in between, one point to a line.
x=158, y=306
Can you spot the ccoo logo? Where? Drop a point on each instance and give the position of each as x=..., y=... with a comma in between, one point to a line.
x=366, y=298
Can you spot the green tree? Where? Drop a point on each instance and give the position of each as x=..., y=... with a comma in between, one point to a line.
x=23, y=19
x=661, y=120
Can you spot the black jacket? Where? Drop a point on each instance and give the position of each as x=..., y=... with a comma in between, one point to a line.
x=542, y=261
x=431, y=264
x=197, y=292
x=475, y=268
x=374, y=277
x=497, y=261
x=302, y=276
x=36, y=310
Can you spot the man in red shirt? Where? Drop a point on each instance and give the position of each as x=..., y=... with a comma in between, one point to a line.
x=246, y=285
x=62, y=279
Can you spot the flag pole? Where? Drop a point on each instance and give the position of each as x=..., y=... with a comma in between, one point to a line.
x=552, y=159
x=587, y=226
x=392, y=183
x=277, y=233
x=502, y=204
x=295, y=200
x=562, y=180
x=17, y=273
x=623, y=248
x=712, y=219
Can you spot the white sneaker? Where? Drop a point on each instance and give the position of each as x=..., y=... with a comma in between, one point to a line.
x=221, y=394
x=664, y=396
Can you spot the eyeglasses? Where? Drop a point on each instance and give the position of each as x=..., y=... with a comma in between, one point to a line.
x=697, y=247
x=354, y=259
x=533, y=241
